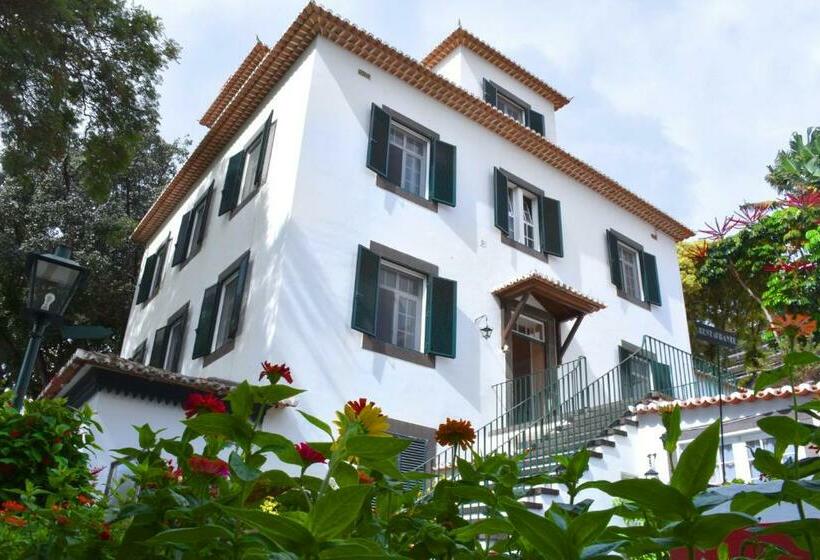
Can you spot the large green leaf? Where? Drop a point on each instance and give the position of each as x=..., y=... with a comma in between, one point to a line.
x=766, y=462
x=697, y=462
x=284, y=531
x=241, y=470
x=376, y=448
x=708, y=531
x=272, y=394
x=544, y=536
x=798, y=359
x=483, y=527
x=664, y=501
x=772, y=377
x=336, y=511
x=786, y=431
x=600, y=551
x=587, y=527
x=191, y=535
x=671, y=422
x=241, y=400
x=318, y=423
x=220, y=425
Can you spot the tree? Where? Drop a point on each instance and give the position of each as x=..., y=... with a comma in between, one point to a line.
x=78, y=87
x=799, y=167
x=46, y=211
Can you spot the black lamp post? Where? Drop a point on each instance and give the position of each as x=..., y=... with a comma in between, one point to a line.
x=53, y=281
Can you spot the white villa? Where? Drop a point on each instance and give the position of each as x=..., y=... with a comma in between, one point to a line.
x=406, y=231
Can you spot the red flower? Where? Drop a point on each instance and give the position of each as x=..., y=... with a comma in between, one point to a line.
x=16, y=521
x=457, y=433
x=358, y=405
x=274, y=372
x=308, y=454
x=62, y=520
x=105, y=533
x=16, y=507
x=807, y=199
x=85, y=500
x=199, y=402
x=210, y=467
x=365, y=478
x=15, y=434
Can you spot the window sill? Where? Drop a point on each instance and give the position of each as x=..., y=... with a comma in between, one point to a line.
x=523, y=248
x=381, y=347
x=395, y=189
x=208, y=359
x=636, y=301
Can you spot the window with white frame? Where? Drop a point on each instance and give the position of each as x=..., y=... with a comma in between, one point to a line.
x=252, y=162
x=414, y=150
x=174, y=349
x=197, y=222
x=523, y=219
x=225, y=310
x=729, y=459
x=529, y=327
x=511, y=108
x=160, y=265
x=401, y=307
x=630, y=271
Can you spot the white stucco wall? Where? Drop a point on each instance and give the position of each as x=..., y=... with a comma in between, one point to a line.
x=468, y=70
x=320, y=201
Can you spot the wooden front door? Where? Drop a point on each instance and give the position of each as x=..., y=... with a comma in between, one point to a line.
x=533, y=357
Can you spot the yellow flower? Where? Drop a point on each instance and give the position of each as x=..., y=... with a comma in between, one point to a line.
x=270, y=505
x=364, y=415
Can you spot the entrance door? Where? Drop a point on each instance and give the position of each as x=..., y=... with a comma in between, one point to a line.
x=532, y=351
x=634, y=374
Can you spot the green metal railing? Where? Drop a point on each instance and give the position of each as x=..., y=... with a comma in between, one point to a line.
x=561, y=417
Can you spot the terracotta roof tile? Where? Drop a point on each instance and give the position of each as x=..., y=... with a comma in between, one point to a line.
x=738, y=397
x=239, y=77
x=462, y=37
x=315, y=21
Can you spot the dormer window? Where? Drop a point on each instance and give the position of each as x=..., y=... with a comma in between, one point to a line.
x=511, y=109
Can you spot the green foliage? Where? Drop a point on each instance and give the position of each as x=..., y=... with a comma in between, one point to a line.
x=57, y=210
x=78, y=77
x=219, y=497
x=799, y=166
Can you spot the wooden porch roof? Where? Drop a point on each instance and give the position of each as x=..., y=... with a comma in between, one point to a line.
x=556, y=297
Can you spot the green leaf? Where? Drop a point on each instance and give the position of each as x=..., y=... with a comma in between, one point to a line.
x=798, y=359
x=191, y=535
x=335, y=511
x=483, y=527
x=345, y=474
x=786, y=430
x=601, y=550
x=697, y=462
x=810, y=407
x=752, y=503
x=284, y=531
x=147, y=436
x=470, y=493
x=766, y=462
x=220, y=425
x=241, y=470
x=671, y=422
x=241, y=400
x=664, y=501
x=318, y=423
x=772, y=377
x=542, y=534
x=587, y=527
x=376, y=448
x=281, y=446
x=272, y=394
x=708, y=531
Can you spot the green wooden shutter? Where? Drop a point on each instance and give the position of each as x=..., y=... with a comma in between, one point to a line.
x=649, y=275
x=662, y=378
x=614, y=260
x=239, y=286
x=379, y=140
x=183, y=237
x=204, y=225
x=159, y=347
x=366, y=291
x=553, y=238
x=261, y=167
x=490, y=93
x=536, y=122
x=205, y=325
x=444, y=175
x=501, y=201
x=441, y=317
x=147, y=276
x=233, y=183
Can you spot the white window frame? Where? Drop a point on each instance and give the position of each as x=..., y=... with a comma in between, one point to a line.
x=422, y=309
x=248, y=186
x=508, y=106
x=516, y=215
x=216, y=343
x=638, y=286
x=425, y=160
x=176, y=327
x=156, y=279
x=521, y=328
x=197, y=216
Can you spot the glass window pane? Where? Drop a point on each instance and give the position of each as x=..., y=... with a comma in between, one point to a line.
x=398, y=319
x=226, y=307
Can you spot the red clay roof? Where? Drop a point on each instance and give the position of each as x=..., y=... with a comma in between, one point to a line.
x=314, y=21
x=737, y=397
x=239, y=77
x=462, y=37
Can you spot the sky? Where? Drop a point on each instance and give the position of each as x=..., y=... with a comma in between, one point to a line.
x=684, y=103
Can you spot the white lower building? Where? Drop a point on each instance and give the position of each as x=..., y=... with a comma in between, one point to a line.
x=406, y=231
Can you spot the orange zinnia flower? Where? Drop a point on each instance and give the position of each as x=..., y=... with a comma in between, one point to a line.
x=799, y=324
x=457, y=433
x=365, y=478
x=16, y=521
x=16, y=507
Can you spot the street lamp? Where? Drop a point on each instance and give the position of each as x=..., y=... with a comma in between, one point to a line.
x=53, y=281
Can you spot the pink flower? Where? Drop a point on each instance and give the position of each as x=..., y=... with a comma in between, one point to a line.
x=720, y=230
x=274, y=372
x=199, y=402
x=209, y=467
x=308, y=454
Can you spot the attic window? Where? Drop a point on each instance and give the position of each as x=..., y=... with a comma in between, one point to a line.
x=511, y=109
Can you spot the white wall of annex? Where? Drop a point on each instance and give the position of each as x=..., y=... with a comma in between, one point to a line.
x=468, y=70
x=338, y=206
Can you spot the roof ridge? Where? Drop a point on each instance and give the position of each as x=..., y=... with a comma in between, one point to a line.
x=314, y=21
x=462, y=37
